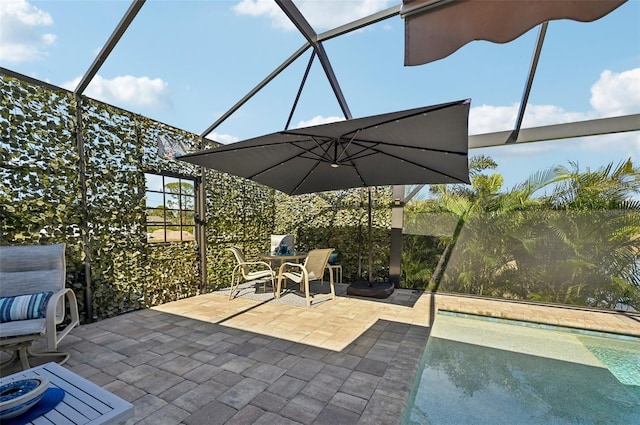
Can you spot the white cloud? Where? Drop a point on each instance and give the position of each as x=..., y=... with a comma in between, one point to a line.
x=21, y=39
x=616, y=94
x=317, y=120
x=489, y=119
x=225, y=139
x=127, y=90
x=320, y=14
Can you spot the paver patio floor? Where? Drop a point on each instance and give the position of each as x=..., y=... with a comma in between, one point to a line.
x=208, y=360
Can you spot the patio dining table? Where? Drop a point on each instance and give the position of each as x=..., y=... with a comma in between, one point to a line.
x=278, y=259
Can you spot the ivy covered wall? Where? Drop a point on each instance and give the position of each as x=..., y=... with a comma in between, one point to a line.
x=340, y=220
x=101, y=213
x=45, y=200
x=239, y=213
x=40, y=198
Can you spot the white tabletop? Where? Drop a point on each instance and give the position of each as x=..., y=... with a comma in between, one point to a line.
x=84, y=402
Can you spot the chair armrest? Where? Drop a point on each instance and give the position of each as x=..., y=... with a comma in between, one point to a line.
x=248, y=266
x=253, y=263
x=284, y=266
x=56, y=316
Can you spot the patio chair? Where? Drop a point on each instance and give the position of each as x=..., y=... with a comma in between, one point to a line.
x=32, y=301
x=248, y=271
x=312, y=269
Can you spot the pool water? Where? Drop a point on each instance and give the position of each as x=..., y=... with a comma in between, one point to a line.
x=493, y=371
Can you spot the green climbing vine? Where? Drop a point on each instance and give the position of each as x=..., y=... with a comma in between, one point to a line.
x=44, y=199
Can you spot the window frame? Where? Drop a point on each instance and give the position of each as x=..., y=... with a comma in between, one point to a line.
x=180, y=212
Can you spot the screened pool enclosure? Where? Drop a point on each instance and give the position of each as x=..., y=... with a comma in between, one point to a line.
x=81, y=167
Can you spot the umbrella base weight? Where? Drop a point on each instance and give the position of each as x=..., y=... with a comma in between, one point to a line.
x=364, y=288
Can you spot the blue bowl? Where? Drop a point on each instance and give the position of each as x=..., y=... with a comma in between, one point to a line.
x=18, y=396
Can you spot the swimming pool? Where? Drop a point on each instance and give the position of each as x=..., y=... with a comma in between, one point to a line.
x=478, y=370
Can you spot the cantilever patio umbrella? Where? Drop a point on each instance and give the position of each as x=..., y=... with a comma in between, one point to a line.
x=422, y=145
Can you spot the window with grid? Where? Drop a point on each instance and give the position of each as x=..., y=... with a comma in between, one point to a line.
x=170, y=208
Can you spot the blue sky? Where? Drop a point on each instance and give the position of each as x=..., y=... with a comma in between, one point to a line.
x=186, y=63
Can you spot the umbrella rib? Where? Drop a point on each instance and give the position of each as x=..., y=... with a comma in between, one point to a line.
x=344, y=149
x=320, y=145
x=409, y=161
x=362, y=154
x=379, y=123
x=316, y=157
x=305, y=177
x=421, y=112
x=361, y=143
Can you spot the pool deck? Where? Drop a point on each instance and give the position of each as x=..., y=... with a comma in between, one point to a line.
x=208, y=360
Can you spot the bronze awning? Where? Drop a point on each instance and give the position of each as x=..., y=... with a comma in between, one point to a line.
x=435, y=29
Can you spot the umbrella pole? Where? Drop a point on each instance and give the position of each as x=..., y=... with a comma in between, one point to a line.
x=363, y=288
x=370, y=241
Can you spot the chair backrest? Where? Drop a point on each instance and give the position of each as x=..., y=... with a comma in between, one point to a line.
x=240, y=258
x=316, y=262
x=29, y=269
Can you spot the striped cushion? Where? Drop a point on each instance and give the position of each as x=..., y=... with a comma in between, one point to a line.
x=23, y=307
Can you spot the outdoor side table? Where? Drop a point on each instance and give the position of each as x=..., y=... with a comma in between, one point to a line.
x=84, y=402
x=337, y=268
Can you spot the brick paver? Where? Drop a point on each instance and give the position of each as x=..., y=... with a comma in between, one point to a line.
x=207, y=360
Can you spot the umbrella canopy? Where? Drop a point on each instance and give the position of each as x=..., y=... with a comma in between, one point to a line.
x=422, y=145
x=436, y=28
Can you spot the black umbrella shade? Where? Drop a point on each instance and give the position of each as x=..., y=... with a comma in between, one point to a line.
x=422, y=145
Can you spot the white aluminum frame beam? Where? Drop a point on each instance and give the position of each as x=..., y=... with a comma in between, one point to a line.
x=597, y=127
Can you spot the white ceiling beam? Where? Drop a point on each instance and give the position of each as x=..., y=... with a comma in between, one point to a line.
x=571, y=130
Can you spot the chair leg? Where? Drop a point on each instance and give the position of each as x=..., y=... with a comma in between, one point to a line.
x=306, y=291
x=14, y=356
x=273, y=286
x=231, y=289
x=235, y=281
x=280, y=277
x=333, y=288
x=22, y=351
x=65, y=356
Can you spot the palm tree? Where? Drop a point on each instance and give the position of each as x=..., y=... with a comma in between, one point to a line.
x=472, y=204
x=578, y=245
x=598, y=222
